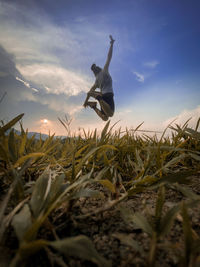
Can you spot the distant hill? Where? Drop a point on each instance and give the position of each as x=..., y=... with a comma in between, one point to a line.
x=37, y=135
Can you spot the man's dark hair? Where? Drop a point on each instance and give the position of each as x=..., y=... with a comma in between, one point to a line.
x=95, y=69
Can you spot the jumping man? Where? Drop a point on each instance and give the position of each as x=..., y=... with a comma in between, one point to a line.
x=104, y=83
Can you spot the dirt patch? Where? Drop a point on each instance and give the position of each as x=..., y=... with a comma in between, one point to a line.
x=103, y=229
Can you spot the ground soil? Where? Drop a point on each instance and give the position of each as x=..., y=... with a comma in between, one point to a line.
x=102, y=229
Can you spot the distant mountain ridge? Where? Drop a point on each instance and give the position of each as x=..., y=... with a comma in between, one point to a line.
x=37, y=135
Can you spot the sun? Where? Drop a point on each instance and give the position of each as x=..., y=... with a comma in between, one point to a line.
x=45, y=121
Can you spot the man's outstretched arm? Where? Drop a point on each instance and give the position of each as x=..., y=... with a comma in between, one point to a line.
x=109, y=53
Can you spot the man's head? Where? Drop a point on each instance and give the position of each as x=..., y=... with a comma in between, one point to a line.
x=95, y=69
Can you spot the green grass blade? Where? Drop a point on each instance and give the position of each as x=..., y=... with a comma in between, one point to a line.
x=127, y=240
x=159, y=208
x=22, y=222
x=167, y=220
x=79, y=247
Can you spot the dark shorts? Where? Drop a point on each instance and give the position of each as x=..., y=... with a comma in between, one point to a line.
x=108, y=98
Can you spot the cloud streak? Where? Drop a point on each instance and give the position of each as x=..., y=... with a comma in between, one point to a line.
x=27, y=84
x=151, y=64
x=139, y=76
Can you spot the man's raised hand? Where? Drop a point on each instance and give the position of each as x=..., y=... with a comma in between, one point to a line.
x=111, y=39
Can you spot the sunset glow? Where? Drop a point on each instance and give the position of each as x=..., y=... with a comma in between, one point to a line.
x=45, y=121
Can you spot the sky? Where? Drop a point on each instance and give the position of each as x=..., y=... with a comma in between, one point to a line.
x=47, y=48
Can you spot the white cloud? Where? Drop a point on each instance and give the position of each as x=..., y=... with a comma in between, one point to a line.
x=181, y=118
x=139, y=76
x=38, y=39
x=58, y=101
x=55, y=79
x=61, y=104
x=151, y=64
x=51, y=56
x=26, y=96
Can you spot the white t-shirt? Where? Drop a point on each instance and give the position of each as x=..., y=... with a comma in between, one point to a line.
x=104, y=82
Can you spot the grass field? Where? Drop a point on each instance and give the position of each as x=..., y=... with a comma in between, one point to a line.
x=114, y=199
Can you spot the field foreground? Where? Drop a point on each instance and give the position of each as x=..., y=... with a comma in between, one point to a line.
x=113, y=236
x=108, y=200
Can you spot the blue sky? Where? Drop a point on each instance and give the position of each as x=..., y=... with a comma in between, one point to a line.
x=47, y=48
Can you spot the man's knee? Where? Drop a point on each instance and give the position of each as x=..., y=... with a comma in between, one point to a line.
x=111, y=114
x=105, y=117
x=108, y=111
x=96, y=95
x=106, y=108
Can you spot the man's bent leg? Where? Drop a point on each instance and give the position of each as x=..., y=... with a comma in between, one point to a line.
x=106, y=108
x=95, y=94
x=101, y=114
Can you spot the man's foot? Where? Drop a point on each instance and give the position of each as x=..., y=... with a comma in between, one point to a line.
x=92, y=104
x=94, y=94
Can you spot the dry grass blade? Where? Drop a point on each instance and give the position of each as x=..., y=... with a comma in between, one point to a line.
x=193, y=133
x=108, y=185
x=197, y=124
x=10, y=124
x=26, y=157
x=104, y=131
x=12, y=146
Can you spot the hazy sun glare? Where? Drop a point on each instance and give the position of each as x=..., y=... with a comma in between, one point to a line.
x=45, y=121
